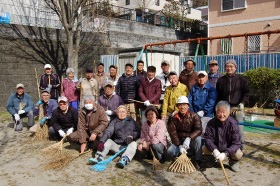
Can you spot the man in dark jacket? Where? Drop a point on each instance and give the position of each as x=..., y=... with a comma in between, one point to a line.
x=64, y=120
x=222, y=137
x=149, y=90
x=188, y=76
x=213, y=75
x=50, y=81
x=127, y=89
x=109, y=101
x=185, y=129
x=140, y=72
x=234, y=89
x=121, y=132
x=20, y=105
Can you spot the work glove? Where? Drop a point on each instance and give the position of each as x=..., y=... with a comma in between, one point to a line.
x=182, y=149
x=129, y=139
x=108, y=112
x=49, y=86
x=75, y=80
x=80, y=80
x=100, y=147
x=174, y=113
x=200, y=113
x=147, y=103
x=39, y=102
x=69, y=131
x=186, y=143
x=17, y=118
x=216, y=153
x=61, y=133
x=241, y=106
x=115, y=83
x=21, y=112
x=43, y=120
x=222, y=156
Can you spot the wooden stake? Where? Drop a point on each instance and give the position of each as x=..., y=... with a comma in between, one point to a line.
x=224, y=171
x=37, y=82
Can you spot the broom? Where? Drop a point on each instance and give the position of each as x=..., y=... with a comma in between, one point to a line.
x=57, y=147
x=156, y=163
x=182, y=164
x=102, y=165
x=41, y=132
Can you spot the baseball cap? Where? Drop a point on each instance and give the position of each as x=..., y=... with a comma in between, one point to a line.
x=190, y=59
x=165, y=62
x=89, y=70
x=47, y=66
x=108, y=83
x=62, y=98
x=183, y=99
x=45, y=90
x=213, y=62
x=202, y=72
x=20, y=85
x=128, y=64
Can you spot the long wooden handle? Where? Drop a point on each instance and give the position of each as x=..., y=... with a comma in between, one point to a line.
x=225, y=173
x=156, y=105
x=37, y=83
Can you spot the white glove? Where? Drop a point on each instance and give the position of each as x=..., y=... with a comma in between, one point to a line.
x=115, y=83
x=49, y=86
x=182, y=149
x=186, y=143
x=200, y=113
x=174, y=113
x=108, y=112
x=17, y=118
x=109, y=119
x=69, y=131
x=222, y=156
x=147, y=103
x=216, y=153
x=241, y=106
x=21, y=112
x=61, y=133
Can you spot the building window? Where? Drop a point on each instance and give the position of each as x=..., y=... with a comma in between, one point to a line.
x=157, y=2
x=226, y=46
x=233, y=4
x=127, y=2
x=254, y=43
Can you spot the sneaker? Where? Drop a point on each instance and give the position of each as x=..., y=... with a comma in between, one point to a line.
x=234, y=166
x=122, y=162
x=198, y=165
x=96, y=159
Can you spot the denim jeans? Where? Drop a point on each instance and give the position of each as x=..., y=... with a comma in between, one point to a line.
x=195, y=148
x=158, y=150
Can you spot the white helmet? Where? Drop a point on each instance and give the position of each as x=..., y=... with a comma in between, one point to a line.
x=47, y=66
x=183, y=99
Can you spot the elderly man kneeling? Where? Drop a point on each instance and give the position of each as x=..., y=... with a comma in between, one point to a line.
x=122, y=132
x=222, y=137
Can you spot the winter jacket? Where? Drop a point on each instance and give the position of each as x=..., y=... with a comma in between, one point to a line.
x=13, y=105
x=52, y=79
x=66, y=120
x=180, y=127
x=203, y=99
x=233, y=89
x=188, y=79
x=119, y=130
x=171, y=97
x=69, y=90
x=213, y=78
x=100, y=77
x=154, y=134
x=89, y=122
x=150, y=90
x=48, y=108
x=164, y=83
x=223, y=136
x=88, y=87
x=140, y=75
x=127, y=87
x=111, y=103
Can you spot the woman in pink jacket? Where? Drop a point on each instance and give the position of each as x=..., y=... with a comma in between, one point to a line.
x=68, y=89
x=153, y=133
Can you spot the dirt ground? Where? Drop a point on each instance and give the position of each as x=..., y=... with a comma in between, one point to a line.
x=22, y=163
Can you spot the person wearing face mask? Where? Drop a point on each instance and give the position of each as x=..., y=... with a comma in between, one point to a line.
x=92, y=121
x=69, y=90
x=188, y=77
x=50, y=81
x=222, y=137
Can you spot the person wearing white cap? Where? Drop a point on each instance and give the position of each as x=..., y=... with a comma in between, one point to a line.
x=64, y=120
x=20, y=105
x=202, y=98
x=185, y=129
x=50, y=81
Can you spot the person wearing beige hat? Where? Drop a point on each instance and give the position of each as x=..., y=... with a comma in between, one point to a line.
x=188, y=76
x=234, y=89
x=213, y=74
x=163, y=77
x=20, y=105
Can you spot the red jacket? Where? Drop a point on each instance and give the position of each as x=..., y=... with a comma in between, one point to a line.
x=150, y=90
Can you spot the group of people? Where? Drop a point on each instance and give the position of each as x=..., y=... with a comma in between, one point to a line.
x=185, y=113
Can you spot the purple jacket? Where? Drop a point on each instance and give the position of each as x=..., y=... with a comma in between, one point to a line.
x=150, y=90
x=111, y=103
x=213, y=78
x=224, y=137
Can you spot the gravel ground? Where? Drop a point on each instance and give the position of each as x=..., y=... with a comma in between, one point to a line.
x=22, y=163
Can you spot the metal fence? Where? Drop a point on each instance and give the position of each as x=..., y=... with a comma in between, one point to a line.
x=244, y=61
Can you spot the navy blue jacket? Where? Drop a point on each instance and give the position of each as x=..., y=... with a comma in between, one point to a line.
x=213, y=78
x=66, y=120
x=15, y=100
x=203, y=99
x=48, y=108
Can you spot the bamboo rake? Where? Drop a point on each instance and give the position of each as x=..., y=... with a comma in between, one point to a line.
x=57, y=147
x=156, y=105
x=182, y=164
